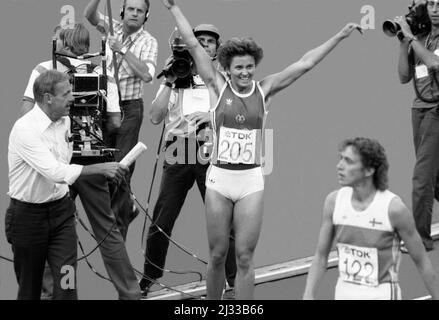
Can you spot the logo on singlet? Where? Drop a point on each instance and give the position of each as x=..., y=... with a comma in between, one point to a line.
x=229, y=102
x=375, y=222
x=240, y=119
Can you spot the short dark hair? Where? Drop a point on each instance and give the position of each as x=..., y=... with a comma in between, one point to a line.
x=239, y=47
x=46, y=83
x=372, y=156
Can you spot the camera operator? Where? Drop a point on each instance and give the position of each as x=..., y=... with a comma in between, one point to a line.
x=172, y=105
x=28, y=102
x=419, y=61
x=93, y=190
x=39, y=221
x=136, y=53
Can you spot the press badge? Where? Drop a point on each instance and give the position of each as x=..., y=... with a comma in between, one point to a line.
x=421, y=71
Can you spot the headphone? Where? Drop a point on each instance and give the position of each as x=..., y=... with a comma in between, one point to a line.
x=122, y=12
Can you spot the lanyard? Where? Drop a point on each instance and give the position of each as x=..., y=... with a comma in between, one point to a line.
x=119, y=63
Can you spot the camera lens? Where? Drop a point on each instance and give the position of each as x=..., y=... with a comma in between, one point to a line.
x=181, y=68
x=390, y=28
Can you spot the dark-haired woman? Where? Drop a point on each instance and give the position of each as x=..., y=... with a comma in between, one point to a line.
x=235, y=182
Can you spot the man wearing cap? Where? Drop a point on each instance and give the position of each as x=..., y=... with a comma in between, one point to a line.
x=184, y=105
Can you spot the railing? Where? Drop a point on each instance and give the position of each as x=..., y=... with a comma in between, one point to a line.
x=275, y=272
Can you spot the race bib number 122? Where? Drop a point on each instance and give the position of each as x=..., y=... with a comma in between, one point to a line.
x=358, y=264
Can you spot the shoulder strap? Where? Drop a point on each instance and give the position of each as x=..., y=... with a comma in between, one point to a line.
x=67, y=64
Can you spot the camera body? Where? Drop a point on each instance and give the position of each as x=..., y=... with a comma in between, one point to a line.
x=87, y=114
x=417, y=18
x=88, y=110
x=180, y=65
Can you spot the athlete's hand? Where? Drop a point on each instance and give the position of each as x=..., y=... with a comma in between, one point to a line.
x=168, y=3
x=347, y=30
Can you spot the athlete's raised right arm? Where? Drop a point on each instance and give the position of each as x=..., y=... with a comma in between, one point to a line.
x=402, y=220
x=203, y=61
x=326, y=236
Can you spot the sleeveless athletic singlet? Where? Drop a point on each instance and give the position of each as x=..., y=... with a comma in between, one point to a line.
x=239, y=121
x=367, y=244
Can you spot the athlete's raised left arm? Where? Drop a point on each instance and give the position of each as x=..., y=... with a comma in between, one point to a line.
x=402, y=220
x=279, y=81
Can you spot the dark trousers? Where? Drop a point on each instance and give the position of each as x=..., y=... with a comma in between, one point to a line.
x=40, y=232
x=177, y=180
x=95, y=197
x=425, y=123
x=127, y=135
x=124, y=140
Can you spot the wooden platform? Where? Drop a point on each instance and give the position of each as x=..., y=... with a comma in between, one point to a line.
x=275, y=272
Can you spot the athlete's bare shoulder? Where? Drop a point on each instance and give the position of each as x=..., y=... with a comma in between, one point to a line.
x=330, y=203
x=398, y=212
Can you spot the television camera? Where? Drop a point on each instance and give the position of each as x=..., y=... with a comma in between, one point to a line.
x=88, y=112
x=417, y=18
x=181, y=63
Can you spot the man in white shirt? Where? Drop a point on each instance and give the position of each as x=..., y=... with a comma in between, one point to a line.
x=40, y=219
x=93, y=190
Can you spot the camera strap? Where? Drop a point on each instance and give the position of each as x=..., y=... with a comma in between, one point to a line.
x=119, y=63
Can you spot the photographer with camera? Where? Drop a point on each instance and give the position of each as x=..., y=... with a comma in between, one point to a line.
x=419, y=61
x=93, y=190
x=182, y=101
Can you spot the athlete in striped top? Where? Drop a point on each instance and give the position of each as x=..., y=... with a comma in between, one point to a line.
x=235, y=183
x=367, y=222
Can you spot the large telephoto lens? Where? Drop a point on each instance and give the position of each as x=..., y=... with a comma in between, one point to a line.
x=391, y=28
x=181, y=67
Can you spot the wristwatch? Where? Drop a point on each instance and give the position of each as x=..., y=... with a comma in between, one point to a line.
x=123, y=51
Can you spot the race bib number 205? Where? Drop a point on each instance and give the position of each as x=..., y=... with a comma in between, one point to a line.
x=237, y=146
x=358, y=264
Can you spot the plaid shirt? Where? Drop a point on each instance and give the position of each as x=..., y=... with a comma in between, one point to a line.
x=144, y=47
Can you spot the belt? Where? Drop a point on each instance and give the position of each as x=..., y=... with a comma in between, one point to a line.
x=126, y=102
x=39, y=205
